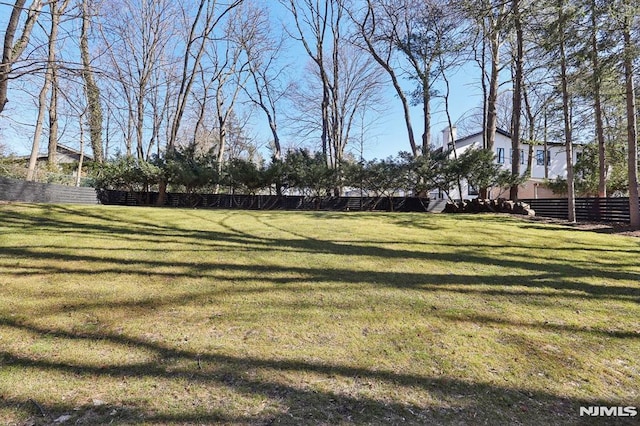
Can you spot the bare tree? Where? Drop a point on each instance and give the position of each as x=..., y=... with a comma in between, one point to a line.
x=13, y=49
x=344, y=79
x=55, y=11
x=491, y=19
x=120, y=99
x=222, y=76
x=53, y=117
x=137, y=37
x=377, y=28
x=209, y=13
x=358, y=87
x=207, y=17
x=81, y=140
x=425, y=33
x=320, y=17
x=451, y=134
x=229, y=80
x=494, y=18
x=262, y=49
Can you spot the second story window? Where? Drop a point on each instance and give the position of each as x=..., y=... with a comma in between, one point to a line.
x=500, y=155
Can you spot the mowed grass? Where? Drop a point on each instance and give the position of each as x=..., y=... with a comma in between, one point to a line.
x=170, y=316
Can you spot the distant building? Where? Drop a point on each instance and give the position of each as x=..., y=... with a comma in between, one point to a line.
x=67, y=160
x=64, y=155
x=545, y=165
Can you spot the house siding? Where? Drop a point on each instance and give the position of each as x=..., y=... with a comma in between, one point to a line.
x=532, y=188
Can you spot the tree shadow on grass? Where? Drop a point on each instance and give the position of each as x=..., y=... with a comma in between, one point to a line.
x=559, y=276
x=113, y=225
x=458, y=401
x=453, y=401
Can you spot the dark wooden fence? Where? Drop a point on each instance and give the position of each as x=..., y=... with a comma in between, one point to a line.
x=266, y=202
x=587, y=209
x=34, y=192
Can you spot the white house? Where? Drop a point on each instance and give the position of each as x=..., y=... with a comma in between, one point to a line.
x=555, y=158
x=64, y=155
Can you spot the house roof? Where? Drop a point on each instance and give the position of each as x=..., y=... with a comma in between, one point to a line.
x=67, y=149
x=62, y=149
x=508, y=135
x=471, y=136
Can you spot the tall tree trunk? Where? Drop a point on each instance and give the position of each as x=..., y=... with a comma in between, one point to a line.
x=405, y=109
x=222, y=128
x=451, y=136
x=492, y=101
x=324, y=136
x=53, y=116
x=597, y=104
x=483, y=192
x=336, y=118
x=545, y=144
x=35, y=147
x=517, y=99
x=495, y=15
x=531, y=130
x=91, y=88
x=140, y=124
x=426, y=107
x=632, y=135
x=485, y=90
x=273, y=126
x=571, y=201
x=53, y=102
x=79, y=175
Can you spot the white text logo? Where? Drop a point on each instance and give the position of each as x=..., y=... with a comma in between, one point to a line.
x=600, y=411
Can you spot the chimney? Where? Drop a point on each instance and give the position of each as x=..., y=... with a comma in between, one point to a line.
x=449, y=135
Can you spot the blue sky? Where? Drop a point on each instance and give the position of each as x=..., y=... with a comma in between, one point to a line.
x=466, y=95
x=386, y=135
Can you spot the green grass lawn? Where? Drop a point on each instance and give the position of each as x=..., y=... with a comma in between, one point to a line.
x=155, y=316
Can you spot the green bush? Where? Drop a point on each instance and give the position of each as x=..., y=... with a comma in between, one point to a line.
x=126, y=173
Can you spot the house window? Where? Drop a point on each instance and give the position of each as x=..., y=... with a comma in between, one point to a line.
x=500, y=155
x=472, y=190
x=540, y=157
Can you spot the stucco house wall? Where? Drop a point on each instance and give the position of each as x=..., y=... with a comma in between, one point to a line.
x=532, y=188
